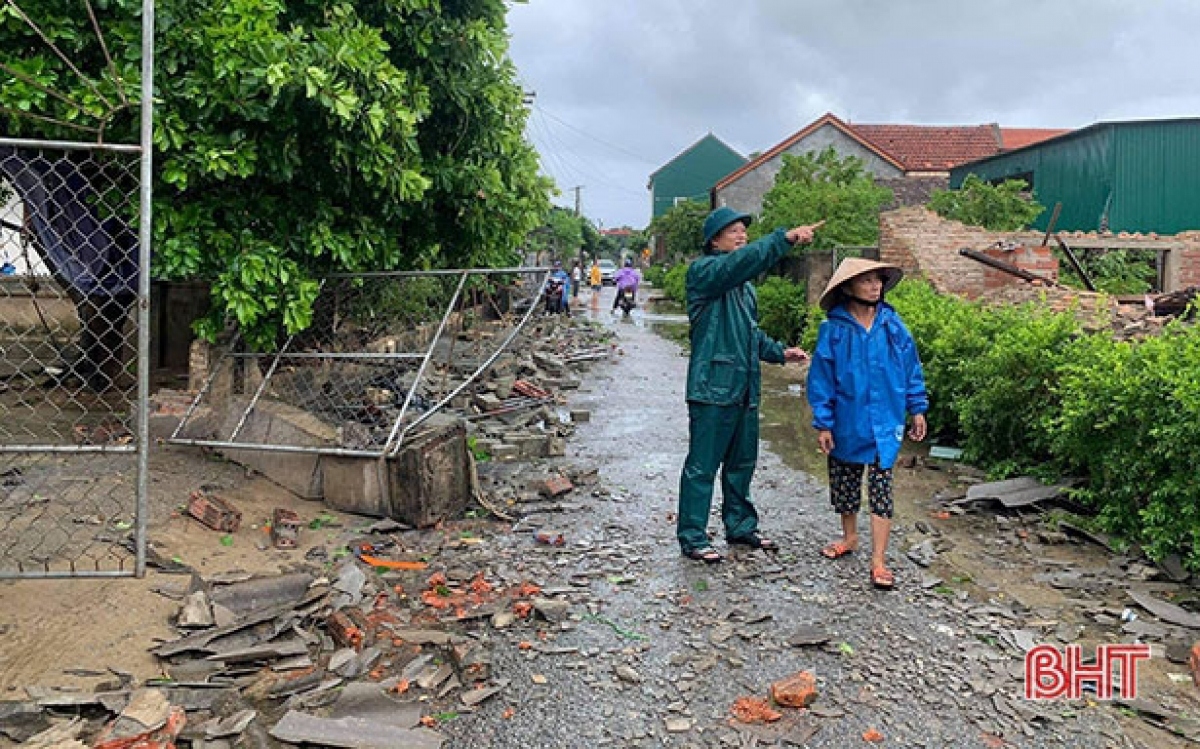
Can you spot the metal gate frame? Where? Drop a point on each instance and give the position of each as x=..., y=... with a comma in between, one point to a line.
x=399, y=431
x=140, y=442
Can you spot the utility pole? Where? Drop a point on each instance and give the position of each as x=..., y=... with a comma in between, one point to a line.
x=579, y=251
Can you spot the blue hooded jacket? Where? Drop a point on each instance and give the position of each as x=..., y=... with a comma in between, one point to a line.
x=862, y=385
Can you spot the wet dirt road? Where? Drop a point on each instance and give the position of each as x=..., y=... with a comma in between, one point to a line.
x=658, y=647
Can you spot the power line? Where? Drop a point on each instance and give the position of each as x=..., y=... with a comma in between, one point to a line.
x=586, y=134
x=586, y=169
x=656, y=164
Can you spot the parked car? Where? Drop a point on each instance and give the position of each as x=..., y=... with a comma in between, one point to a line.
x=607, y=270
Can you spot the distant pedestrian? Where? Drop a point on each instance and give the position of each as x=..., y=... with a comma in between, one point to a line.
x=576, y=279
x=864, y=381
x=724, y=380
x=595, y=277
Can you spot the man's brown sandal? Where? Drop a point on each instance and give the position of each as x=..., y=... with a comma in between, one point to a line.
x=706, y=554
x=754, y=540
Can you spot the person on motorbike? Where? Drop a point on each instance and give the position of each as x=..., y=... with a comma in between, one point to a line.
x=626, y=280
x=558, y=290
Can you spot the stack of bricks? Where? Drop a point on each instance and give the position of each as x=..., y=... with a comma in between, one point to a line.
x=1036, y=259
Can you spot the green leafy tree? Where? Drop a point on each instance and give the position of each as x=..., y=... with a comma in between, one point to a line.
x=682, y=229
x=560, y=236
x=1002, y=207
x=811, y=187
x=296, y=137
x=591, y=239
x=638, y=241
x=1112, y=271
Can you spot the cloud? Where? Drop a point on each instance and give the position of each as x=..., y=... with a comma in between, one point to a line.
x=643, y=79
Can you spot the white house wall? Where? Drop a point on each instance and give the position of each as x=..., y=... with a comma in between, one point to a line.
x=746, y=194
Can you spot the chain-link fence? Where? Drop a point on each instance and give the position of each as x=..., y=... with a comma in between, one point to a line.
x=69, y=406
x=384, y=353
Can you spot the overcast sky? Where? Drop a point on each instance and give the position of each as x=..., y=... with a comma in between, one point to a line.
x=622, y=86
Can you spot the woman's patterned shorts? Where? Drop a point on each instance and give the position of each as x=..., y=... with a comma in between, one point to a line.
x=845, y=487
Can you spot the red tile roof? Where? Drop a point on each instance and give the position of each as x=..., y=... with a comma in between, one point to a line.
x=932, y=148
x=1019, y=137
x=825, y=119
x=913, y=148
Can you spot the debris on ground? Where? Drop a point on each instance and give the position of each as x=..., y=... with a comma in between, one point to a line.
x=754, y=710
x=285, y=528
x=797, y=690
x=213, y=511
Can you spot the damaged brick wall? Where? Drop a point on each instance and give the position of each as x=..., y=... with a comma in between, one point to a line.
x=1183, y=267
x=927, y=245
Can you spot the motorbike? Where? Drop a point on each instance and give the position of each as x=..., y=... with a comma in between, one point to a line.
x=625, y=301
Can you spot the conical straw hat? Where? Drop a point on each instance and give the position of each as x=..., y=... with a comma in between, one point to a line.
x=852, y=267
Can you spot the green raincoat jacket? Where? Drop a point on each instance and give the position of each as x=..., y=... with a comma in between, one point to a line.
x=722, y=306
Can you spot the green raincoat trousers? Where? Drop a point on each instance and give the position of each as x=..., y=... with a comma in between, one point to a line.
x=723, y=388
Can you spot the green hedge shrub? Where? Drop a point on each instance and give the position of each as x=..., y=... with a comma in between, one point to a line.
x=782, y=309
x=654, y=275
x=1130, y=421
x=674, y=283
x=1024, y=389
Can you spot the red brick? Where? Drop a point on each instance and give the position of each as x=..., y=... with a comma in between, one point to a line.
x=798, y=690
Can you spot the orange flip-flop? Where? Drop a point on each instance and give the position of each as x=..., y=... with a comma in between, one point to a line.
x=836, y=550
x=882, y=578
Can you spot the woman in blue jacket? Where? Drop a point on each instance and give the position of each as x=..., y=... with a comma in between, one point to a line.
x=864, y=381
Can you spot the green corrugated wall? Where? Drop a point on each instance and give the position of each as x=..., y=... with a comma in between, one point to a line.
x=1157, y=177
x=1145, y=174
x=693, y=173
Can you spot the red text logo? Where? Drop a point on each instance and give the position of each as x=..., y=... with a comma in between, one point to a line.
x=1051, y=673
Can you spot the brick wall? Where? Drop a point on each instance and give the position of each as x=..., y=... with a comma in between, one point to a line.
x=912, y=189
x=927, y=245
x=1186, y=265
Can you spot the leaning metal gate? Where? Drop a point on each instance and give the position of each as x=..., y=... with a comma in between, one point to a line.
x=385, y=352
x=74, y=342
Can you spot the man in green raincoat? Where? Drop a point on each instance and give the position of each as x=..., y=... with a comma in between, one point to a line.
x=723, y=383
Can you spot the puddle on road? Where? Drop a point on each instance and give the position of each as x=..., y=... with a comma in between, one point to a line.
x=658, y=315
x=786, y=421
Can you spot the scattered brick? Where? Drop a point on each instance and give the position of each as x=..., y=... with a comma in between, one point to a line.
x=754, y=710
x=798, y=690
x=1194, y=664
x=214, y=512
x=556, y=486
